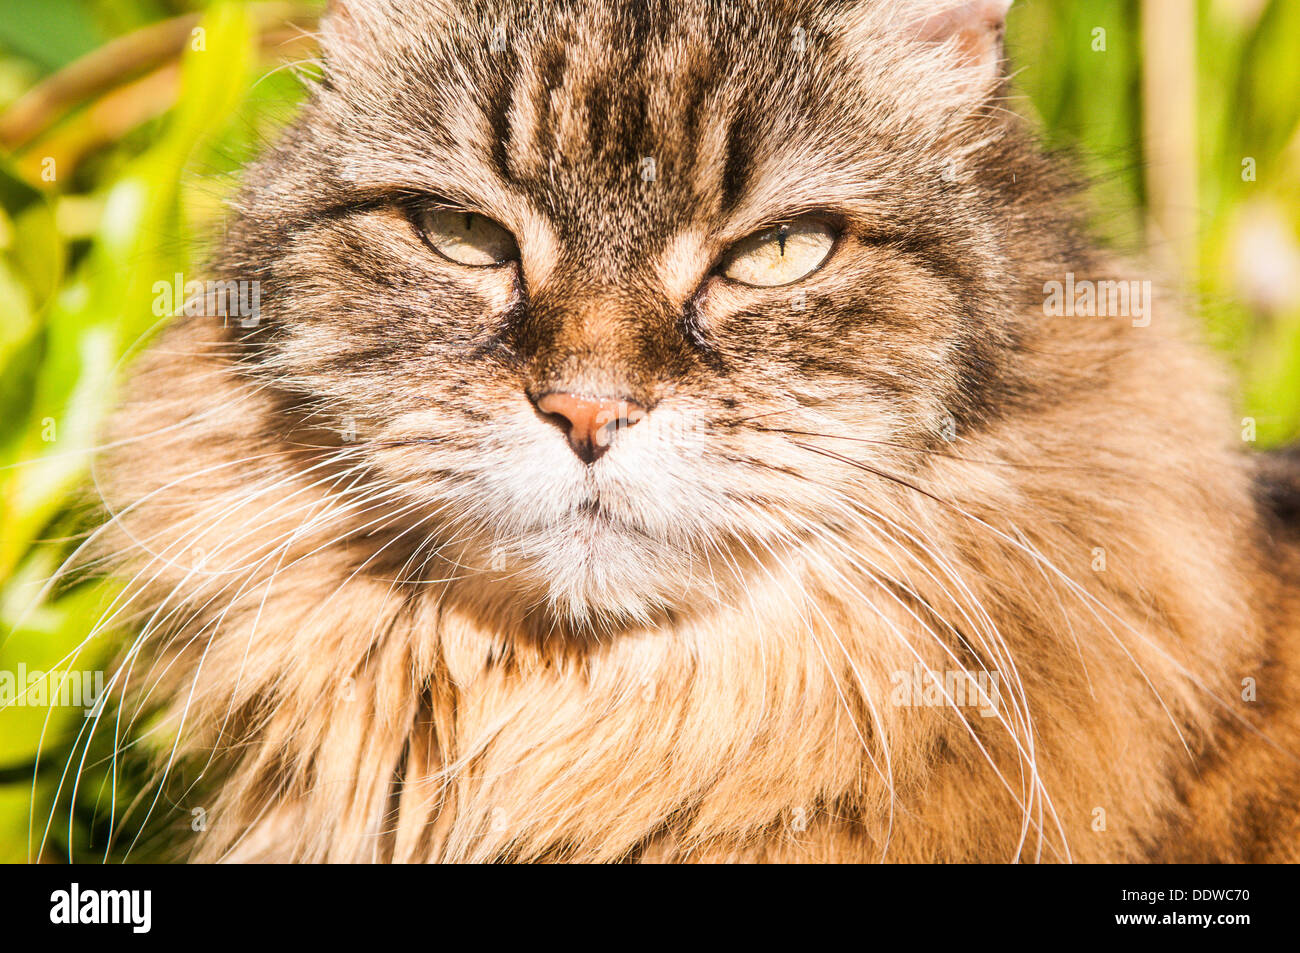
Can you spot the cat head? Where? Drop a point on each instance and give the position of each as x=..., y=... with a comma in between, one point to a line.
x=582, y=280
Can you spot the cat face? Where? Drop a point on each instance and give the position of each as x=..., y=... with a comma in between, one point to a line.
x=620, y=296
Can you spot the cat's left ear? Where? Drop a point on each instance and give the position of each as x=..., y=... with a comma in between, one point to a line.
x=973, y=27
x=357, y=36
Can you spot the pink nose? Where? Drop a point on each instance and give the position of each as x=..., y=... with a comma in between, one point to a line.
x=590, y=421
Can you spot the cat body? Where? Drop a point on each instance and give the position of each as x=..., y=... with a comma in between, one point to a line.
x=389, y=612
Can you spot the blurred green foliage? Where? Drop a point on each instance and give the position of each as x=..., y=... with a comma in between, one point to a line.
x=109, y=177
x=85, y=235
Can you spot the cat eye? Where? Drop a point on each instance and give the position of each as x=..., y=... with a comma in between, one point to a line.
x=780, y=255
x=466, y=238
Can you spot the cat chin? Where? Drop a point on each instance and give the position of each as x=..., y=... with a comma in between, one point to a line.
x=589, y=579
x=581, y=574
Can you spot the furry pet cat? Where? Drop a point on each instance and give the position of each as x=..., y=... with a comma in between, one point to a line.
x=653, y=444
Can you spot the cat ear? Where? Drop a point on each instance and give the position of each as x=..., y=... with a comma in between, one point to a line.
x=357, y=36
x=350, y=29
x=973, y=27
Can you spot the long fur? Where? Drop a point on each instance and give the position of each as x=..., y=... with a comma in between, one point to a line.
x=386, y=614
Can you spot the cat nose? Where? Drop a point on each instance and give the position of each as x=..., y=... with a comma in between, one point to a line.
x=590, y=422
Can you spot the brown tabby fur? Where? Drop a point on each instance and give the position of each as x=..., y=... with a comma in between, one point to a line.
x=388, y=615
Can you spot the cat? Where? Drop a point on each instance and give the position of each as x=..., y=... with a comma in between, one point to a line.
x=653, y=445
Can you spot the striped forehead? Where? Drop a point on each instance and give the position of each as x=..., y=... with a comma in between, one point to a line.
x=603, y=134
